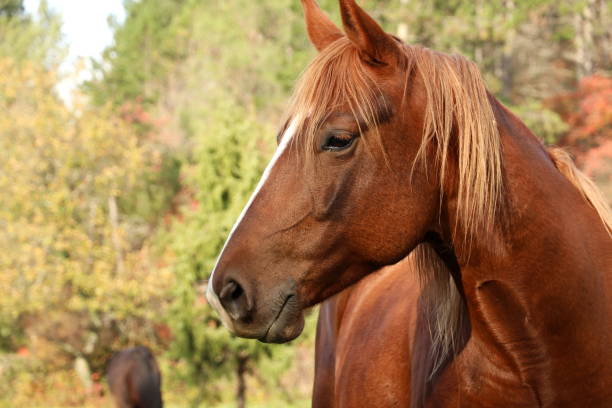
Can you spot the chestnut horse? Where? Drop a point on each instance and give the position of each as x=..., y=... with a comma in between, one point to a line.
x=134, y=379
x=388, y=146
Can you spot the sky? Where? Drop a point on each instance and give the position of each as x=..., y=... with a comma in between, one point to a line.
x=85, y=31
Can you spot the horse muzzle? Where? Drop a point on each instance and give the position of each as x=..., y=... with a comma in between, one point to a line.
x=276, y=318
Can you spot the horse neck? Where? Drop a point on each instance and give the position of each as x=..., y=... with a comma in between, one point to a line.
x=537, y=290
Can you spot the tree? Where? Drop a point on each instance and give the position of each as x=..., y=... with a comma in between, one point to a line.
x=25, y=39
x=147, y=46
x=227, y=160
x=11, y=8
x=75, y=274
x=66, y=244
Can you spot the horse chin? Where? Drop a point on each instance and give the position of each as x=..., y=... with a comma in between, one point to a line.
x=287, y=325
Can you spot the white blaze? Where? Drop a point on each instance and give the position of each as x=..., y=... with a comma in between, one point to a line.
x=212, y=297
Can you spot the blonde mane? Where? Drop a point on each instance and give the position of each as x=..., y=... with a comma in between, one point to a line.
x=459, y=124
x=458, y=104
x=564, y=163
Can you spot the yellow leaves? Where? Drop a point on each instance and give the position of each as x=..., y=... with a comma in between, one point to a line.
x=59, y=247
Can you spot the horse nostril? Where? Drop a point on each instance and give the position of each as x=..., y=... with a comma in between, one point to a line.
x=237, y=292
x=231, y=290
x=234, y=300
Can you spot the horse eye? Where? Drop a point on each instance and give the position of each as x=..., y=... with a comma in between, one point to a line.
x=338, y=141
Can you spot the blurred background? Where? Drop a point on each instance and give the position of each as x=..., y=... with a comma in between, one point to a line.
x=132, y=133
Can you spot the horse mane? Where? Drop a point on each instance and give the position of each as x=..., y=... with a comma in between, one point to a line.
x=444, y=308
x=564, y=163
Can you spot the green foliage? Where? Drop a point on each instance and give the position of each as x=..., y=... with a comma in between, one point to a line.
x=66, y=245
x=75, y=277
x=11, y=8
x=226, y=165
x=152, y=39
x=24, y=39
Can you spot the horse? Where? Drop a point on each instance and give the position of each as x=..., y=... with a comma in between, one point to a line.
x=134, y=379
x=391, y=149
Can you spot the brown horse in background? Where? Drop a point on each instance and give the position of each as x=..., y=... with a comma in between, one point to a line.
x=134, y=379
x=391, y=149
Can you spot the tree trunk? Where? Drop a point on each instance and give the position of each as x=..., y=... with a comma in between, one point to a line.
x=241, y=371
x=602, y=44
x=583, y=27
x=478, y=18
x=402, y=28
x=507, y=68
x=81, y=367
x=113, y=215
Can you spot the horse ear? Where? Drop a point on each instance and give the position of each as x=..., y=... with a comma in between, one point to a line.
x=321, y=30
x=375, y=44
